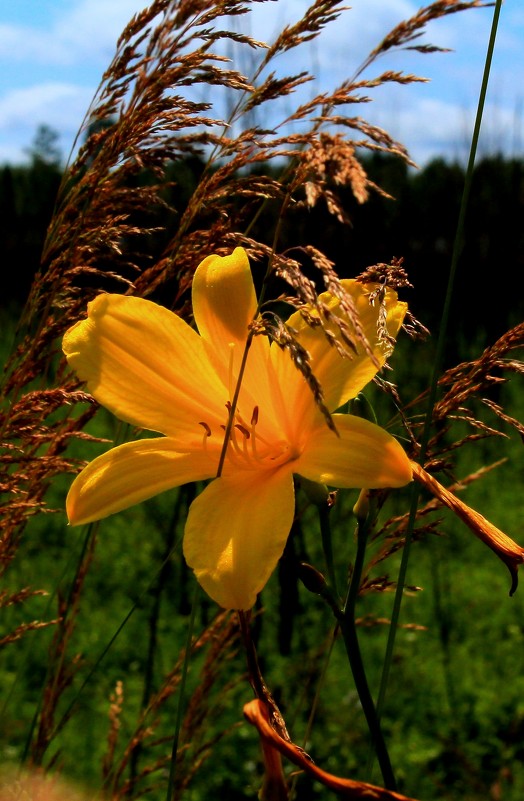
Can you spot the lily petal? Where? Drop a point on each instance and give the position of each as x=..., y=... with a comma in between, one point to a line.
x=146, y=365
x=224, y=302
x=131, y=473
x=224, y=306
x=363, y=455
x=236, y=532
x=340, y=378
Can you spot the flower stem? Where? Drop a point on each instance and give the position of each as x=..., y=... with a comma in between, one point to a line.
x=256, y=679
x=346, y=621
x=234, y=402
x=327, y=545
x=349, y=634
x=181, y=695
x=363, y=527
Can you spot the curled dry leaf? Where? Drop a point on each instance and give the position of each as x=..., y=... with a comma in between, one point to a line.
x=506, y=549
x=273, y=745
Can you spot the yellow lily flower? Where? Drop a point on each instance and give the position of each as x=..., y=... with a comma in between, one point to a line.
x=151, y=369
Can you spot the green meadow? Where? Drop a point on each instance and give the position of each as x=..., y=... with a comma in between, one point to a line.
x=453, y=717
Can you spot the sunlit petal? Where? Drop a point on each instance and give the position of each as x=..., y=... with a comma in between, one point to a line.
x=341, y=378
x=363, y=455
x=236, y=532
x=145, y=364
x=224, y=306
x=131, y=473
x=224, y=303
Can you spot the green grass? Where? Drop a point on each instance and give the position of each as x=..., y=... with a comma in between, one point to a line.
x=454, y=714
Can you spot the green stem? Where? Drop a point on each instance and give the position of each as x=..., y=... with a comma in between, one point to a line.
x=157, y=591
x=327, y=545
x=346, y=621
x=181, y=696
x=354, y=585
x=349, y=634
x=255, y=676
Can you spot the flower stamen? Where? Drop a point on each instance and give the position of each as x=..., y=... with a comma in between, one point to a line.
x=207, y=434
x=230, y=382
x=243, y=430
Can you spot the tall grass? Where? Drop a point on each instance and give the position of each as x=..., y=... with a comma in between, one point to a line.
x=99, y=671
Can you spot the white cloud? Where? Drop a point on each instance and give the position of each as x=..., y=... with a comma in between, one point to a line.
x=87, y=29
x=54, y=103
x=68, y=54
x=20, y=43
x=433, y=126
x=93, y=26
x=62, y=106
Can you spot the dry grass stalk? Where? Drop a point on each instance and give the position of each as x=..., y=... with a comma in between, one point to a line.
x=408, y=31
x=391, y=534
x=23, y=628
x=473, y=379
x=115, y=714
x=219, y=642
x=464, y=389
x=62, y=669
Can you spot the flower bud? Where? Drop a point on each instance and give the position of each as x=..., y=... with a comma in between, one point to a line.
x=311, y=578
x=317, y=493
x=361, y=508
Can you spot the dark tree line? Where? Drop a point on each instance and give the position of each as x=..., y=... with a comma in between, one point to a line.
x=27, y=197
x=418, y=226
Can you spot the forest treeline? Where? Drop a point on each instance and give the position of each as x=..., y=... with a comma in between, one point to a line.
x=418, y=225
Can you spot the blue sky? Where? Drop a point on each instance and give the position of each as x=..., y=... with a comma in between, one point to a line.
x=53, y=53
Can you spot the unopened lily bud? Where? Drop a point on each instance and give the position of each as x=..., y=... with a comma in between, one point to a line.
x=361, y=508
x=311, y=578
x=317, y=493
x=361, y=407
